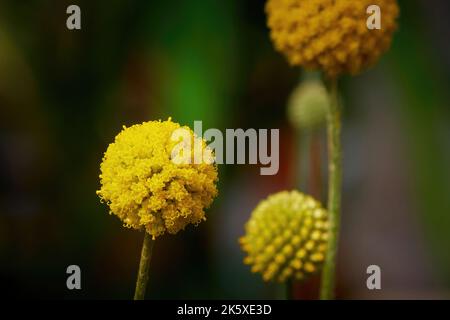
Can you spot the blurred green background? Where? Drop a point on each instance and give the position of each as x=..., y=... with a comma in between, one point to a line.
x=64, y=95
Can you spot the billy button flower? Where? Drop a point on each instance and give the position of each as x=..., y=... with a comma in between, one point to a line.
x=148, y=191
x=286, y=237
x=330, y=35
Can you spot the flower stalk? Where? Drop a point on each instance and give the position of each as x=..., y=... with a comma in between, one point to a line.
x=334, y=191
x=144, y=266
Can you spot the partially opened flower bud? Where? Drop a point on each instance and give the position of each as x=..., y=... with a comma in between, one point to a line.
x=146, y=188
x=286, y=236
x=330, y=35
x=308, y=105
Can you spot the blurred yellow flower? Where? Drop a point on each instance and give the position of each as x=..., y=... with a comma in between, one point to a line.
x=286, y=236
x=330, y=35
x=145, y=188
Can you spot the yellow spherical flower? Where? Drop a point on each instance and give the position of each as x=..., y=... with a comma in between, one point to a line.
x=330, y=35
x=286, y=236
x=145, y=188
x=308, y=105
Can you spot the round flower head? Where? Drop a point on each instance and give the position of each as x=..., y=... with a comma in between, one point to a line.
x=144, y=185
x=308, y=105
x=286, y=236
x=330, y=35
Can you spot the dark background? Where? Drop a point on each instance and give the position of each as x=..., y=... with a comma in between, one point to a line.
x=64, y=95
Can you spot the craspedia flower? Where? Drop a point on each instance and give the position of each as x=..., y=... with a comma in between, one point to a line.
x=286, y=236
x=330, y=35
x=145, y=188
x=308, y=105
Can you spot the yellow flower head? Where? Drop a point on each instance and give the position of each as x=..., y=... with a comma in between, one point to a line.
x=308, y=105
x=330, y=35
x=286, y=236
x=145, y=188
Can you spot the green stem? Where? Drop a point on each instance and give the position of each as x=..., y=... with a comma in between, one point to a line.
x=334, y=191
x=144, y=265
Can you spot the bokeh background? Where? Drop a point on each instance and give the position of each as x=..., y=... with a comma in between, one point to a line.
x=64, y=95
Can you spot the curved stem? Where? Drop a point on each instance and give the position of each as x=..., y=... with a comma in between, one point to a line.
x=334, y=191
x=144, y=265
